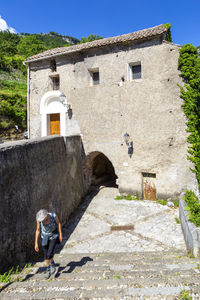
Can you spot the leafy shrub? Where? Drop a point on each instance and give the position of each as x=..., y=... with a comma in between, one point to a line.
x=5, y=124
x=12, y=104
x=13, y=107
x=193, y=206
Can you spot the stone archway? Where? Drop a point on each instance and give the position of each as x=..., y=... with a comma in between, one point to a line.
x=99, y=170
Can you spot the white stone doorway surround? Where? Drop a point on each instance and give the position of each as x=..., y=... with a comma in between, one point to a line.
x=53, y=102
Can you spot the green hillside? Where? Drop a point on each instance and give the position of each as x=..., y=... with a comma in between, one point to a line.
x=53, y=39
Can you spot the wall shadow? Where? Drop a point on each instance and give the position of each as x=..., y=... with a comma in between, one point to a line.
x=75, y=218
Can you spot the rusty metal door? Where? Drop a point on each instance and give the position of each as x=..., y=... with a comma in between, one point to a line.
x=149, y=186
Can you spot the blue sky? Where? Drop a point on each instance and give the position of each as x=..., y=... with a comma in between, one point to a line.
x=104, y=17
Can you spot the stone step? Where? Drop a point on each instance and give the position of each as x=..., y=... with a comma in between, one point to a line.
x=170, y=292
x=124, y=255
x=139, y=260
x=155, y=280
x=110, y=276
x=135, y=276
x=122, y=268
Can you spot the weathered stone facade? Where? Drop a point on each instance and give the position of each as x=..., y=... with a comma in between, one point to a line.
x=148, y=109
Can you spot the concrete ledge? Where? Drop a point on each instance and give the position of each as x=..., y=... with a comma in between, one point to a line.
x=190, y=231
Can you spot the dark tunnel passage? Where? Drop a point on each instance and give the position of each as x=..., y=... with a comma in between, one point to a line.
x=101, y=170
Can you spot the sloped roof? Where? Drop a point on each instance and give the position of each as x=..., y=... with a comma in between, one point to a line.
x=134, y=36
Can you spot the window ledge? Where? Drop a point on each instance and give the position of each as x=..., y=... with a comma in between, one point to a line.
x=136, y=80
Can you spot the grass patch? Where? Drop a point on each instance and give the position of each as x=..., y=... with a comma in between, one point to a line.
x=177, y=220
x=185, y=295
x=119, y=197
x=176, y=203
x=117, y=277
x=161, y=201
x=190, y=255
x=127, y=197
x=7, y=276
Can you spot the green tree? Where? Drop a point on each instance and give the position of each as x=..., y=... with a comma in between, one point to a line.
x=30, y=45
x=9, y=42
x=90, y=38
x=53, y=33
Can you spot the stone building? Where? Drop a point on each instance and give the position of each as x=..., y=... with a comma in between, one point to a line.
x=121, y=95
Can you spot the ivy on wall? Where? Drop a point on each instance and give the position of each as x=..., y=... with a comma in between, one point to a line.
x=189, y=65
x=168, y=34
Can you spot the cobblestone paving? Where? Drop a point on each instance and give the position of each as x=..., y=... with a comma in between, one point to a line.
x=155, y=227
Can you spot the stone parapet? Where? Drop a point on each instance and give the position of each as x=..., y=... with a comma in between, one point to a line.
x=35, y=174
x=190, y=231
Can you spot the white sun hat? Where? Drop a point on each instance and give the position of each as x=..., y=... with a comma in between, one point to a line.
x=41, y=215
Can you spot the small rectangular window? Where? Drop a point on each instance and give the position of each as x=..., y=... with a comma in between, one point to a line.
x=55, y=82
x=135, y=71
x=152, y=175
x=95, y=77
x=53, y=65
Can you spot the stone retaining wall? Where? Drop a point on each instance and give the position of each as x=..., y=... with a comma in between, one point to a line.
x=190, y=231
x=42, y=173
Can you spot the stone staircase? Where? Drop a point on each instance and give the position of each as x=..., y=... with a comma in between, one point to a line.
x=147, y=275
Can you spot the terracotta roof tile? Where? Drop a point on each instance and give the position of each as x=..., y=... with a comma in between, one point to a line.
x=134, y=36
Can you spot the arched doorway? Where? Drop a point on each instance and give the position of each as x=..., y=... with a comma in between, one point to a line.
x=99, y=170
x=53, y=109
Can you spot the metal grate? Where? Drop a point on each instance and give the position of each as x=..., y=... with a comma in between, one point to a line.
x=122, y=227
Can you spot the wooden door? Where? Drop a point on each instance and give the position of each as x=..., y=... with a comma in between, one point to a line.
x=149, y=186
x=54, y=124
